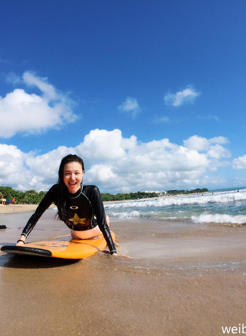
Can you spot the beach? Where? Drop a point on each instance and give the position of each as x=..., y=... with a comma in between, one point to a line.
x=180, y=280
x=15, y=208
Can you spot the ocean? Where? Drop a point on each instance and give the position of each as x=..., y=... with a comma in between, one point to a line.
x=226, y=207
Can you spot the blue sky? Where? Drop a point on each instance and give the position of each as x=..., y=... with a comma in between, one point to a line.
x=158, y=86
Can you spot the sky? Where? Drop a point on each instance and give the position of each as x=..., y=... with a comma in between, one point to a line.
x=150, y=93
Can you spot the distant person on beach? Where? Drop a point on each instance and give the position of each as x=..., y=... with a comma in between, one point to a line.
x=80, y=207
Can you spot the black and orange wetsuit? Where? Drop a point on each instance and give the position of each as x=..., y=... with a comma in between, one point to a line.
x=83, y=210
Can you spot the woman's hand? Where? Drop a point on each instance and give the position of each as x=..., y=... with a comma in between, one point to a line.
x=21, y=241
x=110, y=252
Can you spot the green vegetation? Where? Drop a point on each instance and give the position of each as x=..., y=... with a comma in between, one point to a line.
x=141, y=194
x=132, y=196
x=33, y=197
x=193, y=191
x=21, y=197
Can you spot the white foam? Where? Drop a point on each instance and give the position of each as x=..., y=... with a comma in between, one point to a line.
x=216, y=197
x=126, y=215
x=219, y=218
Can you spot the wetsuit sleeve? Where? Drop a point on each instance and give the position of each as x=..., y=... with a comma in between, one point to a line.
x=99, y=212
x=48, y=199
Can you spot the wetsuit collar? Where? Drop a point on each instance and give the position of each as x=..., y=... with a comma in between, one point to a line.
x=77, y=194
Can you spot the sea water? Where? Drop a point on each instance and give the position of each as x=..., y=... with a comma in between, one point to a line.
x=227, y=207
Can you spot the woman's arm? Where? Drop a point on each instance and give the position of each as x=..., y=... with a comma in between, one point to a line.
x=44, y=204
x=99, y=212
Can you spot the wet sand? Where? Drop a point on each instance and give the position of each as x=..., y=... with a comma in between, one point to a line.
x=185, y=280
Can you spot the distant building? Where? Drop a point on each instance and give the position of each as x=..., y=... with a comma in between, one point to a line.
x=160, y=193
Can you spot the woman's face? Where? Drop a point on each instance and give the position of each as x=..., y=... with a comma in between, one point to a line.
x=72, y=176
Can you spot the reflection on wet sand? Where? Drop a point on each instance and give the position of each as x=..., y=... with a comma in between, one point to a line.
x=187, y=280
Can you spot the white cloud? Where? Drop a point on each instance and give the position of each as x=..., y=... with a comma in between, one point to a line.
x=197, y=143
x=240, y=162
x=212, y=146
x=27, y=113
x=219, y=140
x=218, y=152
x=131, y=106
x=13, y=171
x=119, y=164
x=102, y=173
x=49, y=92
x=102, y=145
x=45, y=166
x=188, y=95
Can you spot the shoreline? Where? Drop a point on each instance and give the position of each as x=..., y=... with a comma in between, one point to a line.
x=17, y=208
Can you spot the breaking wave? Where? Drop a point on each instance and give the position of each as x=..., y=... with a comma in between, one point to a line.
x=219, y=218
x=227, y=207
x=217, y=197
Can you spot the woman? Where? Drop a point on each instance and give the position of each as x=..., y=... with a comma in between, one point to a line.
x=80, y=207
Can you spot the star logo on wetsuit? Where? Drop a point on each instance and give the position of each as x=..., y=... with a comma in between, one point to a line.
x=77, y=220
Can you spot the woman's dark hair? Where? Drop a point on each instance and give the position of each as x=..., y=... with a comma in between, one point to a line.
x=62, y=188
x=67, y=159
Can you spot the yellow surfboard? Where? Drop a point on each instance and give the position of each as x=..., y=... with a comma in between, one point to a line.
x=60, y=248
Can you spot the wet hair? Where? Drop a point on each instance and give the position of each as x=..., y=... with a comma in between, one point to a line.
x=63, y=192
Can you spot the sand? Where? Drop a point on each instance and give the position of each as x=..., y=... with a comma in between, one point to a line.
x=15, y=208
x=178, y=281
